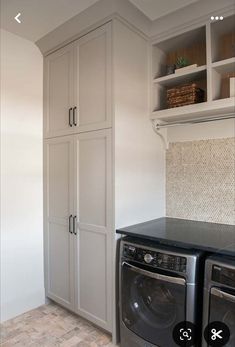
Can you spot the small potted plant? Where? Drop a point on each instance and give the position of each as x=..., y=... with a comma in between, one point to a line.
x=181, y=62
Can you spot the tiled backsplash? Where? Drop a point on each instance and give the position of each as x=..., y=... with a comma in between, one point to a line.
x=200, y=180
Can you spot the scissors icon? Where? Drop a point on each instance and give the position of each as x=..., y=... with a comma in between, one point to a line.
x=216, y=334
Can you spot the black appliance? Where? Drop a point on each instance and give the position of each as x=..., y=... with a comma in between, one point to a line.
x=219, y=295
x=159, y=288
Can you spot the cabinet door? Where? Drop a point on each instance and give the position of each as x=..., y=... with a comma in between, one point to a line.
x=58, y=195
x=94, y=203
x=93, y=86
x=58, y=92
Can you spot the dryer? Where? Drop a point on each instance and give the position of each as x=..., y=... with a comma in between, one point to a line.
x=219, y=295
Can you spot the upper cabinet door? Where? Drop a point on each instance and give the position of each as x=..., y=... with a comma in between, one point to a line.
x=58, y=92
x=93, y=85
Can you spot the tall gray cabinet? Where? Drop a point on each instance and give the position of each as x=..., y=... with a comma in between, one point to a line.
x=100, y=164
x=78, y=219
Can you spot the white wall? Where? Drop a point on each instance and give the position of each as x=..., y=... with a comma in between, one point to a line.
x=22, y=286
x=139, y=154
x=210, y=130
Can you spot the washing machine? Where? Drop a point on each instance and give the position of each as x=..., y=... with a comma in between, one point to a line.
x=159, y=287
x=219, y=295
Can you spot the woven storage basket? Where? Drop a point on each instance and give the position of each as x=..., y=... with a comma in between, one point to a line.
x=187, y=94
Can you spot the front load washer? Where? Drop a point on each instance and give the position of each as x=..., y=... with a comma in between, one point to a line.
x=219, y=294
x=159, y=288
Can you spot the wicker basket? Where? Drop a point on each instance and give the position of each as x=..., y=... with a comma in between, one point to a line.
x=186, y=94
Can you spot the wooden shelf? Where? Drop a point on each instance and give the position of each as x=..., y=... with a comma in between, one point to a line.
x=191, y=112
x=224, y=66
x=181, y=77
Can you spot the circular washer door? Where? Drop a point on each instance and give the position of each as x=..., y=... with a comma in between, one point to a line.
x=151, y=307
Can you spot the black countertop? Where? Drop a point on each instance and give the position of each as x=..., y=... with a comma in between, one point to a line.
x=210, y=237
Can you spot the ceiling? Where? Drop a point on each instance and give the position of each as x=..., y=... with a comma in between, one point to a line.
x=158, y=8
x=39, y=17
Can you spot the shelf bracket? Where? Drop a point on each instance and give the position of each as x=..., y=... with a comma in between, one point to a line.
x=157, y=130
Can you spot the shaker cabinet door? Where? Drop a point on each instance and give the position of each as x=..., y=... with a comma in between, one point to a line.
x=58, y=92
x=93, y=202
x=58, y=237
x=77, y=85
x=93, y=85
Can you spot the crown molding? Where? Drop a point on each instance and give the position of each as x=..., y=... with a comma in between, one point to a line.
x=103, y=11
x=96, y=15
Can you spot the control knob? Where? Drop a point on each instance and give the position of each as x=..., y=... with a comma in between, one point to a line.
x=131, y=251
x=148, y=258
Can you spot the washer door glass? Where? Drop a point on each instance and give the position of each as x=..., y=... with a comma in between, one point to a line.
x=152, y=304
x=222, y=309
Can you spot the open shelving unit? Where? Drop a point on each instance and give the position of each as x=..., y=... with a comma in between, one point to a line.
x=212, y=48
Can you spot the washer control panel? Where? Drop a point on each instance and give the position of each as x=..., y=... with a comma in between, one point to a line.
x=155, y=258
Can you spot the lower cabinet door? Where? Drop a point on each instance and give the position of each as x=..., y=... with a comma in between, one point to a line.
x=58, y=206
x=93, y=248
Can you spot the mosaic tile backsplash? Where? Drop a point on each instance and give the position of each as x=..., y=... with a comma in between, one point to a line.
x=200, y=180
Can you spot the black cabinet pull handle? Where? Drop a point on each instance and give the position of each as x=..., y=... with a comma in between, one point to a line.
x=70, y=117
x=70, y=224
x=75, y=225
x=75, y=116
